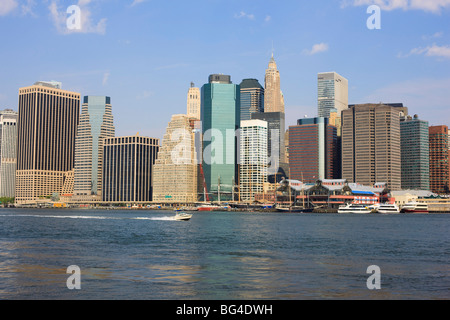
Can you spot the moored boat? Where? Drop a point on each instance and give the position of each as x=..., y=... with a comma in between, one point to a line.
x=415, y=207
x=388, y=208
x=354, y=208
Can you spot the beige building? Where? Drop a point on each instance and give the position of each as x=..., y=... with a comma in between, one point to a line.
x=371, y=145
x=273, y=96
x=46, y=126
x=175, y=170
x=194, y=102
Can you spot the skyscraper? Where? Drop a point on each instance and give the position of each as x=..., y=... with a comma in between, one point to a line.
x=46, y=129
x=273, y=96
x=175, y=169
x=312, y=150
x=220, y=120
x=439, y=159
x=253, y=159
x=415, y=151
x=96, y=123
x=193, y=102
x=8, y=152
x=332, y=94
x=128, y=169
x=252, y=98
x=371, y=145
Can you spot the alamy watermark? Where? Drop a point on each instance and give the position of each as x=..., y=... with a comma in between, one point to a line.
x=374, y=21
x=74, y=281
x=374, y=281
x=73, y=22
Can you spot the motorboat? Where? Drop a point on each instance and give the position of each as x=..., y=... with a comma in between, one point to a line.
x=415, y=207
x=388, y=208
x=354, y=208
x=182, y=216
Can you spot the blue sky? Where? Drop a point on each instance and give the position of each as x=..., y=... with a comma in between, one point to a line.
x=144, y=53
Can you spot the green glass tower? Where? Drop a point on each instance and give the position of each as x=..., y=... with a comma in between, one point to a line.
x=220, y=105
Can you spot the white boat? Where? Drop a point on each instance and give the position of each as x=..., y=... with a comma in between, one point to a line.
x=354, y=208
x=182, y=216
x=388, y=208
x=415, y=207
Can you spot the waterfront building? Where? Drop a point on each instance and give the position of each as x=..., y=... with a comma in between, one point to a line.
x=273, y=96
x=96, y=123
x=175, y=169
x=253, y=159
x=252, y=98
x=8, y=152
x=332, y=94
x=312, y=150
x=371, y=149
x=128, y=168
x=194, y=102
x=415, y=153
x=220, y=100
x=439, y=159
x=46, y=129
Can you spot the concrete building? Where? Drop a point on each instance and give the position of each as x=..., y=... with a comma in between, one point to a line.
x=439, y=159
x=46, y=128
x=252, y=98
x=273, y=96
x=96, y=123
x=253, y=159
x=371, y=145
x=128, y=169
x=220, y=121
x=415, y=153
x=332, y=94
x=194, y=102
x=8, y=152
x=175, y=169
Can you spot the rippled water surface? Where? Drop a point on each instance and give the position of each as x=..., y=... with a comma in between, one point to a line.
x=227, y=255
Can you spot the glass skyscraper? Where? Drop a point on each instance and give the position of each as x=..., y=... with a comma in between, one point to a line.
x=8, y=152
x=332, y=94
x=252, y=98
x=220, y=105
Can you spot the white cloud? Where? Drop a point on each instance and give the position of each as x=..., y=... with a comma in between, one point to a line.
x=433, y=6
x=60, y=16
x=317, y=48
x=268, y=18
x=7, y=6
x=136, y=2
x=430, y=51
x=105, y=78
x=243, y=14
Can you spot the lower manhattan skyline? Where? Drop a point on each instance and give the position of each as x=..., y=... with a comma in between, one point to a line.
x=145, y=54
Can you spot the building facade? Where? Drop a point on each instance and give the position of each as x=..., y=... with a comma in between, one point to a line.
x=8, y=153
x=252, y=98
x=371, y=145
x=273, y=96
x=175, y=169
x=312, y=150
x=46, y=129
x=332, y=94
x=439, y=159
x=96, y=123
x=128, y=169
x=415, y=152
x=253, y=159
x=220, y=123
x=194, y=102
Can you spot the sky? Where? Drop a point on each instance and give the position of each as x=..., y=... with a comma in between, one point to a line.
x=145, y=53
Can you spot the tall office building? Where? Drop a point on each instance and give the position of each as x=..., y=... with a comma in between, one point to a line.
x=332, y=94
x=253, y=159
x=273, y=96
x=312, y=150
x=175, y=169
x=415, y=152
x=128, y=168
x=96, y=123
x=252, y=98
x=194, y=102
x=8, y=152
x=371, y=145
x=220, y=120
x=439, y=159
x=46, y=129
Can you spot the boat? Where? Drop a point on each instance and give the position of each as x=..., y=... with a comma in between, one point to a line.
x=354, y=208
x=294, y=209
x=388, y=208
x=182, y=216
x=208, y=207
x=415, y=207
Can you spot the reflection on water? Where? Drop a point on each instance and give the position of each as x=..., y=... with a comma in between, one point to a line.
x=145, y=255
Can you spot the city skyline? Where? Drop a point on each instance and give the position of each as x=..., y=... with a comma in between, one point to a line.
x=129, y=50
